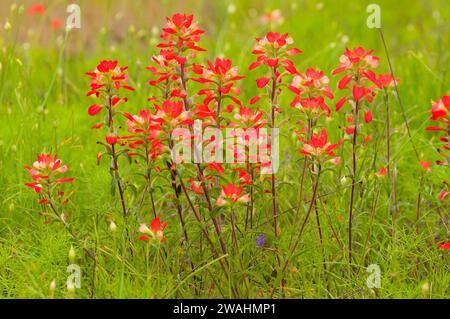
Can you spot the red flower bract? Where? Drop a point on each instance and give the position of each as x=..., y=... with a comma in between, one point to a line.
x=108, y=78
x=440, y=113
x=37, y=8
x=181, y=34
x=156, y=230
x=273, y=51
x=357, y=60
x=440, y=110
x=45, y=171
x=318, y=146
x=111, y=139
x=231, y=194
x=171, y=113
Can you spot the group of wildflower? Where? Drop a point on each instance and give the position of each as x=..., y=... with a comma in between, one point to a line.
x=185, y=91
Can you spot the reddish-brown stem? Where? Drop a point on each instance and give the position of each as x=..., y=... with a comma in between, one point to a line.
x=200, y=175
x=249, y=213
x=177, y=195
x=388, y=134
x=86, y=250
x=210, y=209
x=173, y=174
x=405, y=119
x=219, y=106
x=419, y=200
x=273, y=99
x=302, y=178
x=352, y=194
x=236, y=246
x=392, y=179
x=148, y=177
x=115, y=167
x=204, y=230
x=302, y=228
x=372, y=216
x=319, y=229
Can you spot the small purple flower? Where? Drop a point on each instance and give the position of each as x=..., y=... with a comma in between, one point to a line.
x=260, y=241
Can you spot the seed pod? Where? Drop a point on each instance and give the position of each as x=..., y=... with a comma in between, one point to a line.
x=72, y=255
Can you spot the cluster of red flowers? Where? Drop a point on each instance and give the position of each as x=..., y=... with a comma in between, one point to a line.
x=189, y=91
x=46, y=172
x=440, y=113
x=319, y=146
x=106, y=81
x=39, y=9
x=310, y=89
x=156, y=230
x=357, y=65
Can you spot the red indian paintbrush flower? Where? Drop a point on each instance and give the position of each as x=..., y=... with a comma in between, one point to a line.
x=221, y=72
x=167, y=79
x=144, y=135
x=172, y=114
x=356, y=61
x=45, y=173
x=440, y=110
x=310, y=89
x=231, y=194
x=386, y=81
x=273, y=51
x=312, y=107
x=156, y=230
x=195, y=186
x=358, y=79
x=443, y=195
x=220, y=78
x=105, y=82
x=243, y=176
x=440, y=113
x=381, y=172
x=357, y=64
x=181, y=35
x=37, y=8
x=56, y=24
x=318, y=146
x=107, y=78
x=111, y=139
x=248, y=118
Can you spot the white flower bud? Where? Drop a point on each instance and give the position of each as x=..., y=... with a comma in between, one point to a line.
x=72, y=255
x=112, y=226
x=345, y=181
x=52, y=285
x=7, y=26
x=425, y=288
